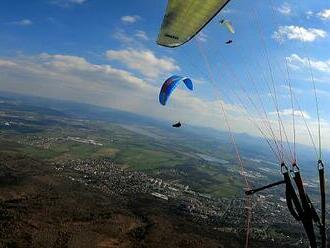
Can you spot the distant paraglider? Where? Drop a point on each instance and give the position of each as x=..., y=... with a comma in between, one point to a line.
x=178, y=124
x=169, y=86
x=228, y=25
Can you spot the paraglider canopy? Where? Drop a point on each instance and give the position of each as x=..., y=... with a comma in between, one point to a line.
x=184, y=19
x=228, y=25
x=170, y=84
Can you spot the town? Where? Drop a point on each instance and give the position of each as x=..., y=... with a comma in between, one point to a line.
x=226, y=214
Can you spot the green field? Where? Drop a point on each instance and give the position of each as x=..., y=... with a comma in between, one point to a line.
x=47, y=135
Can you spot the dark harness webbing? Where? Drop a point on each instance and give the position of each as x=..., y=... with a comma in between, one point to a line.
x=301, y=208
x=322, y=192
x=308, y=215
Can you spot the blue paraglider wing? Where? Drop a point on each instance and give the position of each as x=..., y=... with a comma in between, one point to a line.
x=170, y=84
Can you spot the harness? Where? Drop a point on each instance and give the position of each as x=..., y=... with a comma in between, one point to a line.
x=300, y=205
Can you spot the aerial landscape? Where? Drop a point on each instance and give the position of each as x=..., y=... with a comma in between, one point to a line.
x=121, y=128
x=63, y=177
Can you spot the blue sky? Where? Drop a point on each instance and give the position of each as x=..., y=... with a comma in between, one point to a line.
x=104, y=52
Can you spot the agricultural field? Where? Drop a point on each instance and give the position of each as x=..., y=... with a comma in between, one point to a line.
x=89, y=179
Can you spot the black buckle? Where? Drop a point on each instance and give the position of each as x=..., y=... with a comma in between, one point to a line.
x=284, y=168
x=320, y=165
x=295, y=168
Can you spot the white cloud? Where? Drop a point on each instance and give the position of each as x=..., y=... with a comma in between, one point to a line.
x=294, y=90
x=323, y=93
x=202, y=36
x=67, y=3
x=141, y=35
x=297, y=62
x=74, y=78
x=23, y=22
x=199, y=80
x=77, y=1
x=288, y=113
x=122, y=36
x=298, y=33
x=130, y=19
x=143, y=61
x=228, y=11
x=285, y=9
x=130, y=39
x=6, y=63
x=72, y=64
x=309, y=14
x=324, y=14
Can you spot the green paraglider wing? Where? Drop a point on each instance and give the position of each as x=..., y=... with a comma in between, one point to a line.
x=229, y=26
x=185, y=18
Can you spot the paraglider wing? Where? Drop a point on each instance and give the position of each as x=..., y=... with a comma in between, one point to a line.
x=228, y=25
x=184, y=19
x=170, y=84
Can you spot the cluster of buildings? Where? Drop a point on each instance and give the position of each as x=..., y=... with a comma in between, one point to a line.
x=227, y=214
x=45, y=142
